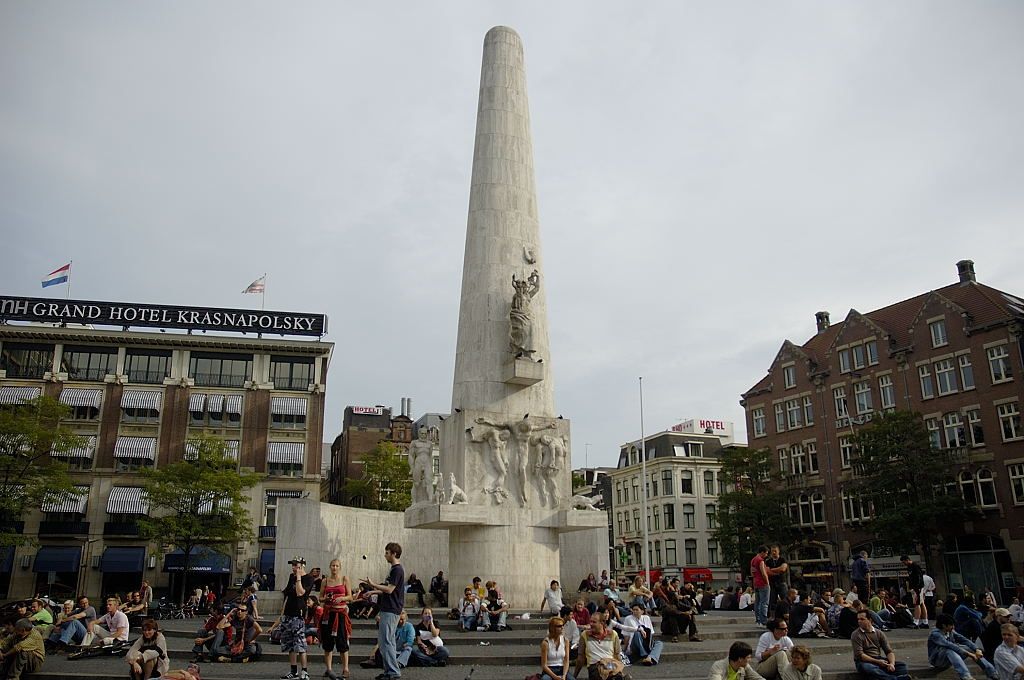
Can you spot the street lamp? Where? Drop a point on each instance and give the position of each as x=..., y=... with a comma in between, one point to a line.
x=645, y=565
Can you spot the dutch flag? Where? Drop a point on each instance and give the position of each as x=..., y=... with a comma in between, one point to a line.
x=57, y=276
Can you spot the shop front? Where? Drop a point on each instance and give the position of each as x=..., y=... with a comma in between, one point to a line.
x=122, y=569
x=56, y=569
x=206, y=567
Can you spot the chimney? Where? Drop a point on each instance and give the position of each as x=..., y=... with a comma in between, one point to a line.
x=821, y=319
x=408, y=406
x=966, y=270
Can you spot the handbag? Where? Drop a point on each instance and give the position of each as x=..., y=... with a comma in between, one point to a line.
x=610, y=668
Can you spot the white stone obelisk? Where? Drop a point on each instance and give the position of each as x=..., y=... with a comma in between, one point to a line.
x=505, y=455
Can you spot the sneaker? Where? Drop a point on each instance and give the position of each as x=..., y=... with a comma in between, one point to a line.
x=304, y=675
x=290, y=676
x=367, y=664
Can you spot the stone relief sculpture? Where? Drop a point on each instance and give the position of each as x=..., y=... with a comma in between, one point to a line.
x=496, y=456
x=583, y=503
x=454, y=493
x=521, y=432
x=421, y=454
x=520, y=321
x=549, y=464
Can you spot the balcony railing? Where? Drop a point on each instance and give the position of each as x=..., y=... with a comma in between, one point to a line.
x=26, y=371
x=63, y=528
x=267, y=533
x=93, y=374
x=957, y=454
x=148, y=377
x=120, y=529
x=218, y=380
x=301, y=384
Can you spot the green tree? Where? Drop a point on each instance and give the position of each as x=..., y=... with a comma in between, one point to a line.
x=28, y=475
x=386, y=483
x=753, y=509
x=909, y=483
x=199, y=501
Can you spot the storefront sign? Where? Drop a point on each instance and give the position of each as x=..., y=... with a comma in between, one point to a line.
x=131, y=314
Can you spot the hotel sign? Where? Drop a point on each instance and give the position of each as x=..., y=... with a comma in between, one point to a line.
x=131, y=314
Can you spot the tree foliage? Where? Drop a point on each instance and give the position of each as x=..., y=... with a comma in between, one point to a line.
x=910, y=484
x=753, y=509
x=28, y=475
x=198, y=501
x=386, y=483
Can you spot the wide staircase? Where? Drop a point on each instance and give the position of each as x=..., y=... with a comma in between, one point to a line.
x=512, y=654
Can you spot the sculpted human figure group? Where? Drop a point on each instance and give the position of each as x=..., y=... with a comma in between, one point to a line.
x=551, y=452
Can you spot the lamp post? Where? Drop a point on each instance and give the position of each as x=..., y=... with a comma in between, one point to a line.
x=645, y=565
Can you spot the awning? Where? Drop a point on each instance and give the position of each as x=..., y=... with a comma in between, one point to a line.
x=197, y=402
x=282, y=494
x=17, y=395
x=215, y=403
x=135, y=447
x=288, y=406
x=10, y=443
x=694, y=574
x=128, y=500
x=233, y=404
x=144, y=399
x=7, y=559
x=285, y=452
x=83, y=451
x=192, y=449
x=74, y=396
x=67, y=502
x=266, y=560
x=231, y=447
x=123, y=560
x=202, y=559
x=64, y=558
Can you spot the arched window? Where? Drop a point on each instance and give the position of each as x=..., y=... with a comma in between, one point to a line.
x=805, y=510
x=967, y=489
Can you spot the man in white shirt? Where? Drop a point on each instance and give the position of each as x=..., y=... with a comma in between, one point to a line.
x=1009, y=656
x=552, y=602
x=110, y=627
x=928, y=593
x=718, y=599
x=638, y=637
x=772, y=652
x=1016, y=612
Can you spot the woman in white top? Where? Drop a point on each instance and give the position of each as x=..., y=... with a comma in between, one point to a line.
x=638, y=637
x=554, y=653
x=746, y=600
x=772, y=650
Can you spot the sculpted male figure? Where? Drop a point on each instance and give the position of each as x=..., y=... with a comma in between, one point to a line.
x=496, y=439
x=552, y=453
x=421, y=453
x=522, y=432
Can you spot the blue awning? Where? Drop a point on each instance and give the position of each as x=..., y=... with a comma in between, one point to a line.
x=266, y=560
x=123, y=560
x=6, y=559
x=202, y=559
x=63, y=558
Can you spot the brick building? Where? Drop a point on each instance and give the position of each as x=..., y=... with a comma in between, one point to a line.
x=137, y=397
x=363, y=427
x=954, y=356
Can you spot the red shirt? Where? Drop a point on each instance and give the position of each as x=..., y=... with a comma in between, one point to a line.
x=755, y=572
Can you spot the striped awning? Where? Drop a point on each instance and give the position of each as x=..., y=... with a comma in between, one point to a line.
x=128, y=500
x=9, y=443
x=233, y=404
x=197, y=402
x=76, y=396
x=146, y=399
x=288, y=406
x=135, y=447
x=67, y=502
x=215, y=403
x=286, y=452
x=231, y=447
x=17, y=395
x=273, y=495
x=206, y=507
x=192, y=449
x=83, y=451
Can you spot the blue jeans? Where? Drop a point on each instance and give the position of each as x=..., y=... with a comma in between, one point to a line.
x=557, y=669
x=638, y=651
x=761, y=608
x=873, y=671
x=386, y=642
x=957, y=662
x=468, y=622
x=73, y=630
x=420, y=658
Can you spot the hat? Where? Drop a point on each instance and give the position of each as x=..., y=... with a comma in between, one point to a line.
x=1002, y=612
x=298, y=559
x=838, y=591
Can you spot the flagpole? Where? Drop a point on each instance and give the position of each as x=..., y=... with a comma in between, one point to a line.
x=645, y=557
x=70, y=267
x=263, y=293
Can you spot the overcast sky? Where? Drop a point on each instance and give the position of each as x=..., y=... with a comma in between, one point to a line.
x=709, y=176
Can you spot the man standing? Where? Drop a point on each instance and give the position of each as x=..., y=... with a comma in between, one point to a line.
x=860, y=574
x=777, y=568
x=759, y=575
x=391, y=601
x=872, y=654
x=915, y=583
x=293, y=619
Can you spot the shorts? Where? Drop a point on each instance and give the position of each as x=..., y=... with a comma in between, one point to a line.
x=331, y=643
x=293, y=634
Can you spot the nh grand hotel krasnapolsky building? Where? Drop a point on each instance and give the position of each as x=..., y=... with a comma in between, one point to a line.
x=141, y=381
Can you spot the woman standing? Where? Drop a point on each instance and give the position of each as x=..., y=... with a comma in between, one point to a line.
x=335, y=626
x=147, y=658
x=554, y=653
